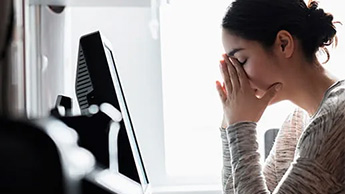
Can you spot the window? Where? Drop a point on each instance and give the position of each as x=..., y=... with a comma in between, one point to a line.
x=191, y=49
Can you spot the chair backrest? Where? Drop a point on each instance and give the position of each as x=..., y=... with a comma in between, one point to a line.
x=29, y=160
x=270, y=136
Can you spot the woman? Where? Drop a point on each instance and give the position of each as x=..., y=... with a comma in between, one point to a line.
x=271, y=50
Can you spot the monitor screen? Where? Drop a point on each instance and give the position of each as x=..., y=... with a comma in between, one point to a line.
x=97, y=82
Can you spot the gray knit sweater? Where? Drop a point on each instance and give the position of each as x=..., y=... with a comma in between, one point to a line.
x=308, y=155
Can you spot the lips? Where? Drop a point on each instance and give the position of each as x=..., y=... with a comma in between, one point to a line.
x=258, y=92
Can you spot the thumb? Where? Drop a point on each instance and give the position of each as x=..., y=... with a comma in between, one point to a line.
x=271, y=92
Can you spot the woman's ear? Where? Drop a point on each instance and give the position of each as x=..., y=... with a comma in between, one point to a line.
x=285, y=43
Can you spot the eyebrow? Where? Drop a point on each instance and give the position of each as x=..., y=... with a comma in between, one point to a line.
x=232, y=53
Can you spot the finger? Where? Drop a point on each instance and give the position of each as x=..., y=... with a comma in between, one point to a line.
x=271, y=92
x=223, y=86
x=221, y=92
x=242, y=75
x=232, y=72
x=226, y=77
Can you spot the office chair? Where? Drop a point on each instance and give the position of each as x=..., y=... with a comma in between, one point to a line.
x=270, y=136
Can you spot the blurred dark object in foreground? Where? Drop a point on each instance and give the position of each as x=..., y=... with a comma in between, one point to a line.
x=29, y=161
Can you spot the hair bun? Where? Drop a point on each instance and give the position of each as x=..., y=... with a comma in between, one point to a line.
x=320, y=24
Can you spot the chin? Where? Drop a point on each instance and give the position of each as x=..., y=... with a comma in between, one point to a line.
x=260, y=94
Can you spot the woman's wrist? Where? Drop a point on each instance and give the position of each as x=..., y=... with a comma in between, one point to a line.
x=224, y=123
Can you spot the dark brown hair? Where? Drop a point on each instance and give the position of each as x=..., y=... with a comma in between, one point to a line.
x=261, y=20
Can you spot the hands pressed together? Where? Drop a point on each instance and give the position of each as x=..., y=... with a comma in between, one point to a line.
x=238, y=98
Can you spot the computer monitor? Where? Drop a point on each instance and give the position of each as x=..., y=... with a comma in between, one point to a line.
x=97, y=82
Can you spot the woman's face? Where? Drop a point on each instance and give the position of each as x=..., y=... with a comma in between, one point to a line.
x=260, y=65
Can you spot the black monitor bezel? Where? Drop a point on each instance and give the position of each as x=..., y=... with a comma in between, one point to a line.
x=95, y=54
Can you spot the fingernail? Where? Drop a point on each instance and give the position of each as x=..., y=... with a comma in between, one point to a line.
x=278, y=87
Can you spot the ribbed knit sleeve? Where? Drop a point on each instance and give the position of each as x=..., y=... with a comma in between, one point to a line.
x=318, y=164
x=280, y=157
x=226, y=171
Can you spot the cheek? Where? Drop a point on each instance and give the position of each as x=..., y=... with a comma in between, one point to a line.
x=258, y=75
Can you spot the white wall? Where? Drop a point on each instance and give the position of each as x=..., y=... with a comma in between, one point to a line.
x=53, y=62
